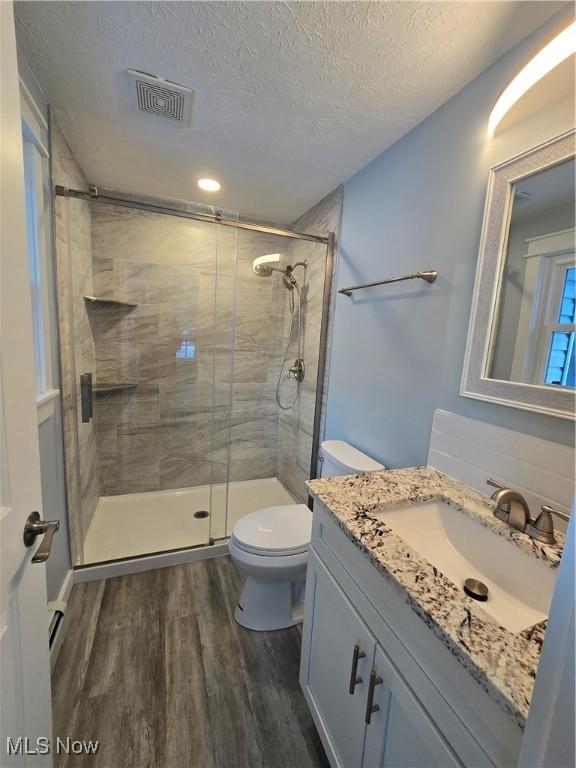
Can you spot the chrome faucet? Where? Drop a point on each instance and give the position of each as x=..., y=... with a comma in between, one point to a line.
x=511, y=507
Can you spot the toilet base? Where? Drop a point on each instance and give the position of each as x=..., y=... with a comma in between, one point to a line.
x=264, y=606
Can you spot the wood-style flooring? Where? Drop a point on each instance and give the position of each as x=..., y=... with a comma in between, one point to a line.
x=154, y=666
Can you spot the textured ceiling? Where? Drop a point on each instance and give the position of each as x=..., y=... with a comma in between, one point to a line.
x=291, y=98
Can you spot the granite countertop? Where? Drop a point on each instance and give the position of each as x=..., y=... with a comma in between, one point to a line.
x=503, y=662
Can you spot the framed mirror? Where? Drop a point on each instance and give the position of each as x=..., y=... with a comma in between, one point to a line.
x=521, y=348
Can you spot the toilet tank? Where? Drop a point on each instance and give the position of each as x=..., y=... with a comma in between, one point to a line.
x=340, y=458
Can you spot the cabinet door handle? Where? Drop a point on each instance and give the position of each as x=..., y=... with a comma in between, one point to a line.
x=354, y=679
x=370, y=706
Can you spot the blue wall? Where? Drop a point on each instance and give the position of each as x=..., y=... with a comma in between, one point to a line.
x=398, y=350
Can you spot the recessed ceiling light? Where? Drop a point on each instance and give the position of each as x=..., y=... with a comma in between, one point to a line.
x=209, y=185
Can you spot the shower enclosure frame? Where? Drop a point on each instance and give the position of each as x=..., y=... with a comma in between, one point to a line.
x=158, y=206
x=182, y=209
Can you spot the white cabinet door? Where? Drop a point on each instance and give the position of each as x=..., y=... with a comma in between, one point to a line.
x=335, y=631
x=400, y=733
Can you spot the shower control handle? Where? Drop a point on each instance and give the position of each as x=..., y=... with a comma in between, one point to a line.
x=297, y=369
x=35, y=527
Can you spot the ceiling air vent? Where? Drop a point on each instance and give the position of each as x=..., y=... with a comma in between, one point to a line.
x=161, y=98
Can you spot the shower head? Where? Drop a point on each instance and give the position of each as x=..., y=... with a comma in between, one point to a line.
x=263, y=266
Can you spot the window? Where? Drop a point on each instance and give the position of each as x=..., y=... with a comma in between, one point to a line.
x=36, y=183
x=544, y=351
x=560, y=361
x=187, y=350
x=550, y=349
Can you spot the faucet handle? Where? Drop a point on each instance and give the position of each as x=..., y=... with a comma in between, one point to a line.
x=558, y=512
x=495, y=484
x=542, y=529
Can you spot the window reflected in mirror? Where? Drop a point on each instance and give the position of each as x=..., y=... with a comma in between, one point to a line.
x=533, y=339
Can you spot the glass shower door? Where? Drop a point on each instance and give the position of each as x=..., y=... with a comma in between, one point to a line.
x=277, y=321
x=224, y=340
x=182, y=412
x=145, y=315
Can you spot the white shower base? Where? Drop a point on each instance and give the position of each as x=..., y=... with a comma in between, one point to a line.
x=145, y=523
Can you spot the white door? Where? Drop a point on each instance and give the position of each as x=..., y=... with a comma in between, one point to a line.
x=25, y=709
x=341, y=652
x=400, y=733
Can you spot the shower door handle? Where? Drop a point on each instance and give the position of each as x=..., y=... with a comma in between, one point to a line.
x=86, y=401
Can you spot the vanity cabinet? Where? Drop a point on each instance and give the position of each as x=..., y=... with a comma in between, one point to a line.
x=426, y=711
x=371, y=716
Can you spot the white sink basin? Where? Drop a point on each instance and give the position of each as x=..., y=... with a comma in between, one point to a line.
x=519, y=585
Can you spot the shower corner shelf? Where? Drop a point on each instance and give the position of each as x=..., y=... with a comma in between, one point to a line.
x=104, y=389
x=96, y=301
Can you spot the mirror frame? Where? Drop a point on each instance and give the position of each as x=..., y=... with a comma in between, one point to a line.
x=489, y=272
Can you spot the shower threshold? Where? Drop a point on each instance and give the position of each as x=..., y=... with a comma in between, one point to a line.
x=139, y=524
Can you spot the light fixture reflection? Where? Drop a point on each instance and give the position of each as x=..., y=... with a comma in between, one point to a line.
x=544, y=62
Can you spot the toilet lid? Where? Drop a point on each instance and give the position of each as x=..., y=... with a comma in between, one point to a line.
x=285, y=530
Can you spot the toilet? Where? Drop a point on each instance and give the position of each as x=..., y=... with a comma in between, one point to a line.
x=270, y=546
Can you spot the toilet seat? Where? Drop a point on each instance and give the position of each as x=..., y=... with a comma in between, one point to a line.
x=268, y=552
x=275, y=531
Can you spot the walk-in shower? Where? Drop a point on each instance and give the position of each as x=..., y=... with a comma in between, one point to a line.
x=197, y=413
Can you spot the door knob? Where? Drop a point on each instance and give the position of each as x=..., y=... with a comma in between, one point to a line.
x=35, y=527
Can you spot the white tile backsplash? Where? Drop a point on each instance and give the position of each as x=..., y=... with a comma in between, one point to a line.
x=471, y=451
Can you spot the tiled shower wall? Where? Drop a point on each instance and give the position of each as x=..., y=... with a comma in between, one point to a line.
x=296, y=426
x=190, y=412
x=77, y=354
x=155, y=435
x=258, y=343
